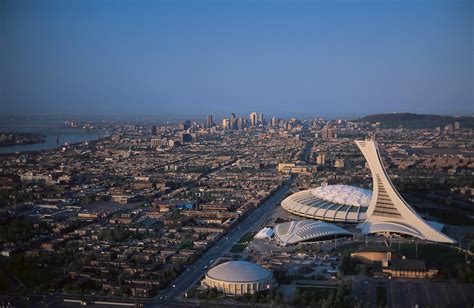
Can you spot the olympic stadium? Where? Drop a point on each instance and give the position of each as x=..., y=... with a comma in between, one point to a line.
x=238, y=277
x=337, y=203
x=380, y=211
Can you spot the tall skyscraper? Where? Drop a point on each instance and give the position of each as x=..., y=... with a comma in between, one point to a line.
x=274, y=121
x=209, y=123
x=260, y=119
x=233, y=123
x=153, y=130
x=187, y=124
x=253, y=119
x=241, y=123
x=225, y=124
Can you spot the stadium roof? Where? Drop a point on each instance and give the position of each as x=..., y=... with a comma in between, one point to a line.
x=294, y=232
x=343, y=194
x=341, y=203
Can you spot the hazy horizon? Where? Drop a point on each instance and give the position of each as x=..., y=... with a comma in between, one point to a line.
x=22, y=120
x=187, y=59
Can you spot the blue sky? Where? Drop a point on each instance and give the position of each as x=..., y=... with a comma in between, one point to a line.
x=191, y=58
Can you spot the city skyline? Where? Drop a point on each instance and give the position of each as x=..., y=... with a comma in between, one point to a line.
x=279, y=153
x=161, y=214
x=12, y=119
x=340, y=59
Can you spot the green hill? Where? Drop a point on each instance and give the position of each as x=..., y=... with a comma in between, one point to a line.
x=412, y=120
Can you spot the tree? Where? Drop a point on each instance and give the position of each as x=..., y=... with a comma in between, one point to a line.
x=278, y=299
x=348, y=265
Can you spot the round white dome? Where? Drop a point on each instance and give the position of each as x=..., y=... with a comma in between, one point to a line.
x=343, y=194
x=239, y=271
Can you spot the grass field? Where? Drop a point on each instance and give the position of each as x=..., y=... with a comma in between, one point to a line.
x=437, y=255
x=247, y=237
x=238, y=248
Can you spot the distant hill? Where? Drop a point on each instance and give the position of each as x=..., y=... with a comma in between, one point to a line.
x=412, y=120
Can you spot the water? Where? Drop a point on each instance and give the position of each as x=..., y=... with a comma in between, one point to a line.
x=66, y=135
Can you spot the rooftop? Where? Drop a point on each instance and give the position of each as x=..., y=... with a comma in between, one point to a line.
x=343, y=194
x=239, y=271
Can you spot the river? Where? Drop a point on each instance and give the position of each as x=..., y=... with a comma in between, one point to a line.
x=66, y=135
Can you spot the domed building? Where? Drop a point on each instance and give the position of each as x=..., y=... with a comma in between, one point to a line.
x=339, y=203
x=238, y=278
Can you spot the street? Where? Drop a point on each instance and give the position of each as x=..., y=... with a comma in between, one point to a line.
x=188, y=278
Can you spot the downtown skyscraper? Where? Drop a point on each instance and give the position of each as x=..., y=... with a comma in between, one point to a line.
x=209, y=122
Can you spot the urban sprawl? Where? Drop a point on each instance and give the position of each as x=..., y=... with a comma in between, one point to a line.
x=145, y=213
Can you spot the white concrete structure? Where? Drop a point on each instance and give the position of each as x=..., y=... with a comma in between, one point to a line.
x=339, y=203
x=388, y=212
x=264, y=233
x=294, y=232
x=343, y=194
x=238, y=277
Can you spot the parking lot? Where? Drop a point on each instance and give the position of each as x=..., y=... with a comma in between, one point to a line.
x=409, y=293
x=444, y=294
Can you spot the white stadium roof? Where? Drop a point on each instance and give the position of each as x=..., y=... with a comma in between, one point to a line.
x=343, y=194
x=340, y=203
x=307, y=230
x=239, y=271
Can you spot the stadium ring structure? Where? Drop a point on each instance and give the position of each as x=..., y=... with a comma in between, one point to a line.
x=382, y=211
x=294, y=232
x=337, y=203
x=238, y=278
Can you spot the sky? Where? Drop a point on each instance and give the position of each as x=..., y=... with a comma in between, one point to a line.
x=193, y=58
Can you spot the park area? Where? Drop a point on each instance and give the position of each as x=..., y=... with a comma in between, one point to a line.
x=242, y=243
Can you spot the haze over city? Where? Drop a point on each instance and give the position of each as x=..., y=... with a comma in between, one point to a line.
x=193, y=58
x=197, y=153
